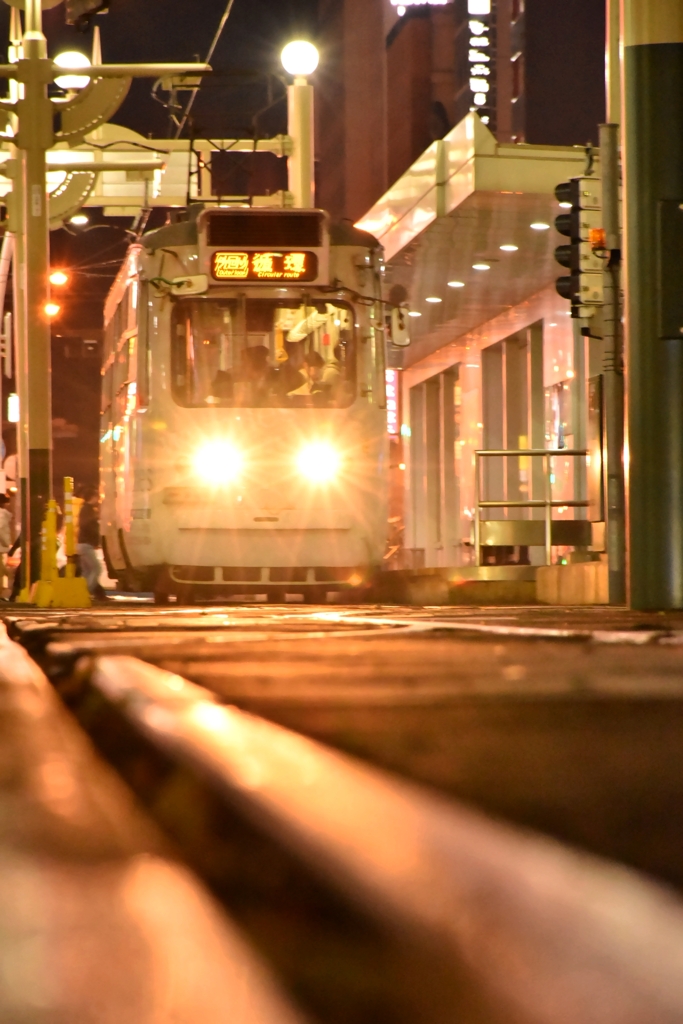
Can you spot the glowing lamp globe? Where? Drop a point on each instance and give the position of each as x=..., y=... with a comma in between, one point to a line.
x=72, y=60
x=300, y=58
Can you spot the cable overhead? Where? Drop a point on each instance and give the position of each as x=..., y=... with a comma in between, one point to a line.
x=214, y=44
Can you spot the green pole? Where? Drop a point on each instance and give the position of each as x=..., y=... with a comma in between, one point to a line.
x=653, y=215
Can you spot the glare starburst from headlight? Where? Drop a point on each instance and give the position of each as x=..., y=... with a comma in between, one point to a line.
x=319, y=462
x=218, y=462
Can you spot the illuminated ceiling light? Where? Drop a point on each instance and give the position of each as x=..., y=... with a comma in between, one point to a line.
x=79, y=219
x=400, y=11
x=509, y=248
x=566, y=206
x=13, y=408
x=52, y=309
x=300, y=58
x=456, y=284
x=540, y=225
x=58, y=278
x=433, y=298
x=481, y=266
x=72, y=60
x=414, y=312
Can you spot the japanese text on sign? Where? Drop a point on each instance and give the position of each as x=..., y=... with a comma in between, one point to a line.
x=264, y=266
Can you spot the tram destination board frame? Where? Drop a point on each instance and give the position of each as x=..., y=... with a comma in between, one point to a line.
x=246, y=246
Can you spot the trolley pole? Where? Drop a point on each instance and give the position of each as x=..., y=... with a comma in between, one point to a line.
x=653, y=136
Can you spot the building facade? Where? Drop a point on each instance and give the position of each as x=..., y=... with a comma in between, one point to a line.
x=394, y=77
x=495, y=363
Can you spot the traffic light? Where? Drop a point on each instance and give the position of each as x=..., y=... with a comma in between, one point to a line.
x=79, y=12
x=586, y=254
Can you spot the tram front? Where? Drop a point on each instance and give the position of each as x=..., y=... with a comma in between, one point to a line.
x=264, y=436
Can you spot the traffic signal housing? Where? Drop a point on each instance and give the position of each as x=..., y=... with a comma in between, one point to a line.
x=79, y=12
x=585, y=254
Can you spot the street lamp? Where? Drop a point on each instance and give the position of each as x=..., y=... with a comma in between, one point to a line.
x=59, y=278
x=72, y=60
x=300, y=59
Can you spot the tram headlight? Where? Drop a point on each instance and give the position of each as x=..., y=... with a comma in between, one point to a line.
x=218, y=462
x=319, y=462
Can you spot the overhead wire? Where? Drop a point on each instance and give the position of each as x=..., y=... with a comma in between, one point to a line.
x=214, y=44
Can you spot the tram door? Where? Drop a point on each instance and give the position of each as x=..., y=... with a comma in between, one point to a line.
x=123, y=433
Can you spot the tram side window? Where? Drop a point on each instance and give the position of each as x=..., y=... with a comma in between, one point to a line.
x=252, y=353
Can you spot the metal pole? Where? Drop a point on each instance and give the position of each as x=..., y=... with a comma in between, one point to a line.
x=16, y=213
x=477, y=514
x=301, y=164
x=34, y=139
x=653, y=137
x=613, y=63
x=548, y=511
x=613, y=369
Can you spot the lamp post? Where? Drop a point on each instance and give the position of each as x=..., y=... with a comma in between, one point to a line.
x=32, y=112
x=300, y=59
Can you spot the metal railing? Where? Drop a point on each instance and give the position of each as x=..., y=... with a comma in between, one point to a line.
x=547, y=502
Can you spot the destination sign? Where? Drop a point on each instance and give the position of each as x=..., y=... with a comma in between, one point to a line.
x=264, y=266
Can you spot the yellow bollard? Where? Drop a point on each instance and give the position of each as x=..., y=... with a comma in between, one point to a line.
x=42, y=592
x=70, y=590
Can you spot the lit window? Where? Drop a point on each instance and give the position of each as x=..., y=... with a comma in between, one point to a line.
x=480, y=99
x=479, y=85
x=485, y=119
x=478, y=6
x=480, y=69
x=476, y=55
x=480, y=41
x=477, y=28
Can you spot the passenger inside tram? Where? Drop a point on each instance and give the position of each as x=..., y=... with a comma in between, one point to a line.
x=253, y=353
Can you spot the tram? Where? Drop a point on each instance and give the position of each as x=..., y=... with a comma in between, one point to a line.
x=243, y=442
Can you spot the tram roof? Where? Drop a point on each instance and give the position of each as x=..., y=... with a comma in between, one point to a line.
x=466, y=196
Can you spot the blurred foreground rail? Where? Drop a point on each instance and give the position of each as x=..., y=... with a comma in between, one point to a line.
x=420, y=893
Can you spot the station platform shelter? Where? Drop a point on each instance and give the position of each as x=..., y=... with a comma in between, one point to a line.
x=496, y=363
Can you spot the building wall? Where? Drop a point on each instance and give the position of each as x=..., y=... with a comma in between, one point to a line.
x=351, y=106
x=409, y=91
x=559, y=56
x=518, y=378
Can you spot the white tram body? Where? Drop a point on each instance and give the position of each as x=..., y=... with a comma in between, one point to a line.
x=243, y=429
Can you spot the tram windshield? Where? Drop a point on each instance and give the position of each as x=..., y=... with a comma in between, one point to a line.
x=255, y=352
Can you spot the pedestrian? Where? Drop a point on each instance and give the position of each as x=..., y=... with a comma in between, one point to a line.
x=5, y=536
x=89, y=541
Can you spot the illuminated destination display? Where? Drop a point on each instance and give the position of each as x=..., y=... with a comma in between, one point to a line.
x=264, y=266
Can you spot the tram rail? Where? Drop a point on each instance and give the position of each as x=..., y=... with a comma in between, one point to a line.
x=368, y=894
